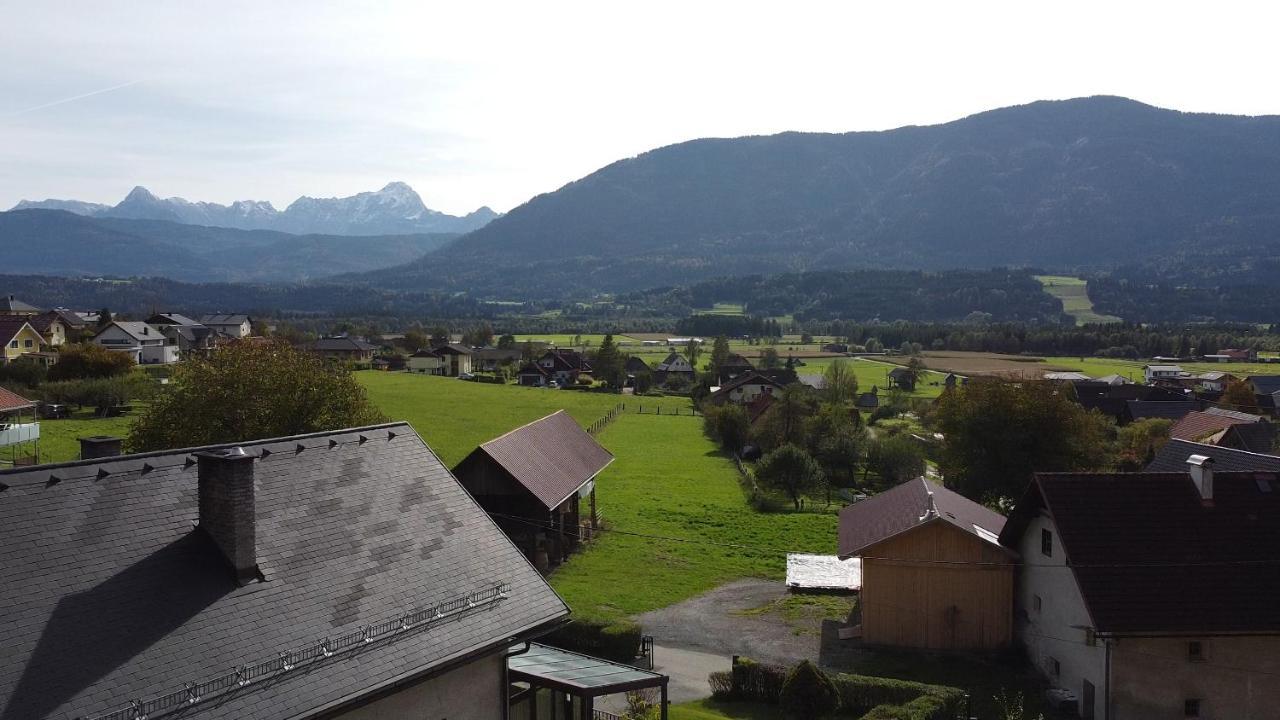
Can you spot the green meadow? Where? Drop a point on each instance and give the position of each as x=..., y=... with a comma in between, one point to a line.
x=1073, y=293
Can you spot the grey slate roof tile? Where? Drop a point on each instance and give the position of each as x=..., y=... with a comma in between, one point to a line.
x=110, y=594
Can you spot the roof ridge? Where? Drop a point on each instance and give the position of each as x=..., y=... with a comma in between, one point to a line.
x=531, y=422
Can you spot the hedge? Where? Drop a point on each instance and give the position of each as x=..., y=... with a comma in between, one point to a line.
x=617, y=641
x=863, y=693
x=925, y=707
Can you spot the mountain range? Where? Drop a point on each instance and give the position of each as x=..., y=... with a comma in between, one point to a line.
x=59, y=242
x=394, y=210
x=1084, y=184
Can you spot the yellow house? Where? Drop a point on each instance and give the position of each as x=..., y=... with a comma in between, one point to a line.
x=18, y=338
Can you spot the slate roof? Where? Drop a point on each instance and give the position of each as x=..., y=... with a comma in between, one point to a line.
x=13, y=401
x=1258, y=437
x=1150, y=557
x=905, y=508
x=1197, y=425
x=139, y=331
x=552, y=457
x=10, y=327
x=171, y=319
x=1172, y=457
x=111, y=595
x=12, y=304
x=223, y=319
x=342, y=344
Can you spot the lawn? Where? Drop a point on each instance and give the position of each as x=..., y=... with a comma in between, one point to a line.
x=670, y=481
x=59, y=438
x=1073, y=293
x=710, y=709
x=454, y=416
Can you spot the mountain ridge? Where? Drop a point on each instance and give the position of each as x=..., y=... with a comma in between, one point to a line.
x=394, y=210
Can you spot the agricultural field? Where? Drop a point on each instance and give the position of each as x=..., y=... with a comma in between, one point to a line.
x=670, y=481
x=1073, y=293
x=1026, y=366
x=454, y=416
x=876, y=373
x=722, y=309
x=565, y=340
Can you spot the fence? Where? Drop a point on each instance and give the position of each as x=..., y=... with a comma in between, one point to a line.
x=604, y=715
x=603, y=422
x=656, y=409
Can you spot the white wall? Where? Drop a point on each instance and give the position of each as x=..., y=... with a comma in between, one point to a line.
x=471, y=692
x=1056, y=631
x=1236, y=679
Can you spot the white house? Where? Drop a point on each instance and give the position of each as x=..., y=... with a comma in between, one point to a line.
x=236, y=326
x=1162, y=372
x=1152, y=595
x=745, y=389
x=147, y=344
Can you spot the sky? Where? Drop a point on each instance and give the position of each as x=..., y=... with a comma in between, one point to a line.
x=491, y=103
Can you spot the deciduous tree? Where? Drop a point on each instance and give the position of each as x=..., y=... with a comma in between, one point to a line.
x=1239, y=396
x=840, y=384
x=89, y=360
x=790, y=470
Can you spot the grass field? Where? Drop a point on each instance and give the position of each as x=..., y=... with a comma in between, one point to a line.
x=565, y=340
x=670, y=481
x=455, y=416
x=59, y=438
x=876, y=373
x=713, y=709
x=722, y=309
x=1074, y=295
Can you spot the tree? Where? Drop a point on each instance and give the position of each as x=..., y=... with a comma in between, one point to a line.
x=105, y=318
x=808, y=693
x=790, y=470
x=89, y=360
x=1137, y=443
x=250, y=391
x=835, y=438
x=784, y=421
x=1239, y=396
x=769, y=359
x=719, y=355
x=607, y=364
x=481, y=336
x=840, y=384
x=415, y=339
x=692, y=351
x=873, y=345
x=439, y=336
x=998, y=433
x=896, y=459
x=728, y=425
x=507, y=341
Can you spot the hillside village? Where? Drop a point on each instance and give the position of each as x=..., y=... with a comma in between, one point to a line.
x=630, y=526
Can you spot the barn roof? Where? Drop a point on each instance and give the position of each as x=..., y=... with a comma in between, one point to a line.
x=552, y=457
x=111, y=595
x=908, y=506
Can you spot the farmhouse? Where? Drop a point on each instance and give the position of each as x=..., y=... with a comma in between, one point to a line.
x=455, y=359
x=674, y=367
x=143, y=342
x=1152, y=595
x=1214, y=382
x=18, y=338
x=903, y=379
x=343, y=574
x=530, y=480
x=733, y=367
x=563, y=366
x=489, y=359
x=54, y=327
x=745, y=389
x=933, y=573
x=344, y=349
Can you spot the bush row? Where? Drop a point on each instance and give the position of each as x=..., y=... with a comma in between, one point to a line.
x=618, y=641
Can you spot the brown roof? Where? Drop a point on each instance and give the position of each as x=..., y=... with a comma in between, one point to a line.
x=13, y=401
x=552, y=457
x=905, y=508
x=1150, y=557
x=1196, y=425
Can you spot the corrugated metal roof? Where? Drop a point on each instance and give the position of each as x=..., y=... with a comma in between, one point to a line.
x=552, y=457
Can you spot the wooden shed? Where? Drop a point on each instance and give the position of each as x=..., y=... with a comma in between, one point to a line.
x=934, y=574
x=530, y=481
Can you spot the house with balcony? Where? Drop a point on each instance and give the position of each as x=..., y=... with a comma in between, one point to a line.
x=146, y=344
x=18, y=338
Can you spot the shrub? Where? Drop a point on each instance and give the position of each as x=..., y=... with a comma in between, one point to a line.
x=891, y=699
x=617, y=641
x=756, y=682
x=808, y=693
x=728, y=425
x=88, y=360
x=23, y=372
x=925, y=707
x=721, y=683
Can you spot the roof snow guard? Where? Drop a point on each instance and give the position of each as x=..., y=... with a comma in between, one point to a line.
x=293, y=660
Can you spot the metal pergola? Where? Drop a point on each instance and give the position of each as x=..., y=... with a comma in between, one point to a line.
x=564, y=685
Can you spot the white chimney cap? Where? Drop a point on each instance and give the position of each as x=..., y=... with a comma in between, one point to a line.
x=1199, y=460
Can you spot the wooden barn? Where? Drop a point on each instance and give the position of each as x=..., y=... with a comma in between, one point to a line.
x=531, y=481
x=934, y=574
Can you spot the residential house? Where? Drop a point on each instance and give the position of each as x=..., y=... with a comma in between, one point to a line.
x=342, y=574
x=1250, y=437
x=426, y=362
x=19, y=430
x=54, y=327
x=489, y=359
x=676, y=367
x=1266, y=388
x=744, y=389
x=344, y=349
x=636, y=365
x=1152, y=373
x=1168, y=410
x=1152, y=595
x=146, y=344
x=563, y=366
x=1209, y=428
x=530, y=481
x=18, y=338
x=1114, y=380
x=734, y=366
x=532, y=374
x=816, y=382
x=188, y=334
x=933, y=572
x=13, y=306
x=1214, y=382
x=1172, y=457
x=1068, y=376
x=455, y=359
x=233, y=326
x=903, y=379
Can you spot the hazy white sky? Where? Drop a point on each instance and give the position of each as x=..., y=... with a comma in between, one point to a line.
x=478, y=103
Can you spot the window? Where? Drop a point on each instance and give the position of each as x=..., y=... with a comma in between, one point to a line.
x=1191, y=707
x=1036, y=603
x=26, y=343
x=1046, y=543
x=1195, y=651
x=13, y=344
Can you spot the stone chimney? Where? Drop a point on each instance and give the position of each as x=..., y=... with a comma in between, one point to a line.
x=100, y=446
x=227, y=510
x=1201, y=469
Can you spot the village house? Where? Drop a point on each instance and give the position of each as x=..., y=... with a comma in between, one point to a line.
x=146, y=344
x=232, y=326
x=188, y=334
x=734, y=366
x=903, y=379
x=1152, y=595
x=745, y=389
x=1211, y=428
x=1214, y=382
x=1153, y=373
x=344, y=349
x=490, y=359
x=340, y=575
x=530, y=481
x=18, y=338
x=57, y=327
x=933, y=572
x=12, y=306
x=1172, y=457
x=1266, y=389
x=675, y=367
x=562, y=366
x=455, y=359
x=425, y=362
